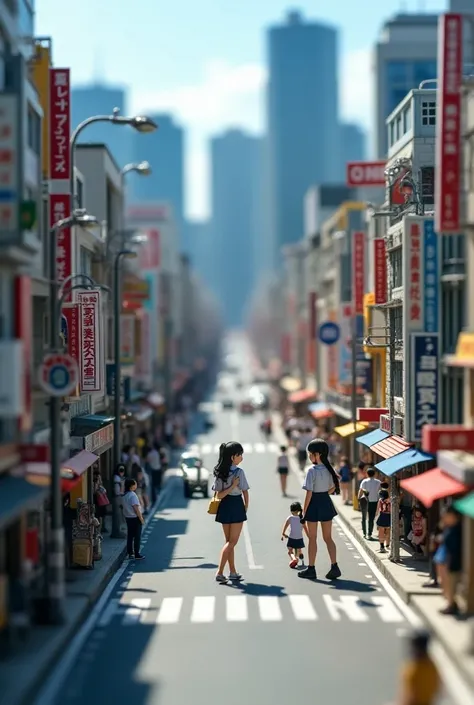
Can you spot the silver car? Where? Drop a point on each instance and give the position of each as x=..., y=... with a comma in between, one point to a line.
x=195, y=476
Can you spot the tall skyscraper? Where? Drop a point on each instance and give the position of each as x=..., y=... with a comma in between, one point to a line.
x=353, y=143
x=303, y=120
x=236, y=203
x=404, y=56
x=164, y=149
x=100, y=99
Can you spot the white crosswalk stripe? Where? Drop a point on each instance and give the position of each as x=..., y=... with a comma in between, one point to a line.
x=243, y=608
x=208, y=449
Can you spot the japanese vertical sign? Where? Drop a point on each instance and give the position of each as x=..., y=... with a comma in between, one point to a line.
x=90, y=358
x=425, y=388
x=380, y=266
x=358, y=272
x=127, y=339
x=71, y=316
x=59, y=165
x=345, y=344
x=332, y=352
x=413, y=251
x=9, y=166
x=431, y=278
x=448, y=125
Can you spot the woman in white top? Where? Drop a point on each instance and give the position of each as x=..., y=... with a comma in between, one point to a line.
x=321, y=481
x=232, y=489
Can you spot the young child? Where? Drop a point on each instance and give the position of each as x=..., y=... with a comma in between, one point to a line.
x=282, y=469
x=417, y=535
x=295, y=542
x=420, y=680
x=384, y=510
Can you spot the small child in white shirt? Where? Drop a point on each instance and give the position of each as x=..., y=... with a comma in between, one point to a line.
x=295, y=542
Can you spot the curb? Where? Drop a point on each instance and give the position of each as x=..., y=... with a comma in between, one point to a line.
x=72, y=628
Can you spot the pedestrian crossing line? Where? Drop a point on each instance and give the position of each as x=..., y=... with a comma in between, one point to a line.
x=236, y=608
x=387, y=609
x=134, y=613
x=349, y=604
x=269, y=609
x=260, y=448
x=170, y=610
x=303, y=608
x=203, y=609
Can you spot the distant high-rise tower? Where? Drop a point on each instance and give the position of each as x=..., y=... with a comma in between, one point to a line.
x=353, y=143
x=236, y=203
x=164, y=149
x=101, y=99
x=303, y=120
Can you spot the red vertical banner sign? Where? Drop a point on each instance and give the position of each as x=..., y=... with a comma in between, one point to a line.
x=358, y=272
x=448, y=125
x=60, y=165
x=380, y=267
x=24, y=332
x=73, y=339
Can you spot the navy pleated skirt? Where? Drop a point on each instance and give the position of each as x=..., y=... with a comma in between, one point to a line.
x=320, y=508
x=231, y=510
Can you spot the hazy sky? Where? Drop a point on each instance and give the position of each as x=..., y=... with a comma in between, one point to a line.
x=205, y=60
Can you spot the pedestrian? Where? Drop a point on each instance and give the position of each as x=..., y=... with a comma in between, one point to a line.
x=283, y=468
x=155, y=469
x=384, y=511
x=420, y=680
x=417, y=535
x=345, y=475
x=448, y=559
x=303, y=439
x=370, y=486
x=435, y=541
x=101, y=500
x=134, y=518
x=169, y=431
x=321, y=481
x=117, y=501
x=232, y=490
x=295, y=541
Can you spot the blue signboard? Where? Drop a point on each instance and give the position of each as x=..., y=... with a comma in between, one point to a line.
x=431, y=277
x=424, y=383
x=329, y=333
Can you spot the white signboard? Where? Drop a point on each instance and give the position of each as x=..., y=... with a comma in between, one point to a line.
x=9, y=196
x=90, y=366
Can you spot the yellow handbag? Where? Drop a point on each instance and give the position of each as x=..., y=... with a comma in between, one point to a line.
x=213, y=505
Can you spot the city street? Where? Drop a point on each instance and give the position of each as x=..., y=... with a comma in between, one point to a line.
x=166, y=633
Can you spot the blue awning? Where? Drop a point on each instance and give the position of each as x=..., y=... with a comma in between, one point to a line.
x=373, y=437
x=403, y=460
x=17, y=496
x=318, y=406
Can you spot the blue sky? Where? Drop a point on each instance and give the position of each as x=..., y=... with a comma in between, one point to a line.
x=204, y=60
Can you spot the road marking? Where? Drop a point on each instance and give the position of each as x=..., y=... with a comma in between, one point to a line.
x=247, y=447
x=108, y=613
x=260, y=448
x=203, y=609
x=216, y=448
x=193, y=448
x=206, y=449
x=303, y=608
x=236, y=608
x=249, y=550
x=170, y=610
x=272, y=448
x=349, y=604
x=134, y=612
x=386, y=609
x=234, y=424
x=269, y=609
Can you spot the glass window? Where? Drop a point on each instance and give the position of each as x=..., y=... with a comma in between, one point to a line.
x=396, y=268
x=397, y=378
x=428, y=113
x=427, y=178
x=424, y=71
x=407, y=122
x=400, y=132
x=453, y=314
x=452, y=395
x=398, y=72
x=80, y=193
x=26, y=18
x=33, y=126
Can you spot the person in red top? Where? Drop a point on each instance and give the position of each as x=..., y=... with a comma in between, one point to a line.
x=384, y=511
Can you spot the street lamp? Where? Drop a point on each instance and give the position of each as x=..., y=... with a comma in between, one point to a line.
x=123, y=254
x=142, y=168
x=140, y=123
x=55, y=595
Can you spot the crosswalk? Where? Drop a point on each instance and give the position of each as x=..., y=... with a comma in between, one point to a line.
x=243, y=608
x=209, y=448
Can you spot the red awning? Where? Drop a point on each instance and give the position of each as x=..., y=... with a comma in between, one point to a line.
x=302, y=396
x=71, y=470
x=390, y=446
x=323, y=414
x=432, y=485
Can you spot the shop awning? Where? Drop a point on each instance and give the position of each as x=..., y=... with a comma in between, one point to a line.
x=320, y=410
x=16, y=496
x=79, y=463
x=432, y=485
x=372, y=437
x=92, y=422
x=466, y=505
x=71, y=471
x=398, y=462
x=155, y=400
x=390, y=446
x=290, y=384
x=302, y=396
x=350, y=428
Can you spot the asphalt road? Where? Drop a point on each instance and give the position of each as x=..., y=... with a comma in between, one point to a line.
x=167, y=634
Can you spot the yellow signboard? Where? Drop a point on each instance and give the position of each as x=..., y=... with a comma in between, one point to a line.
x=41, y=65
x=465, y=347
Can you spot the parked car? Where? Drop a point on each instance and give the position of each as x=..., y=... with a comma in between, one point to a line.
x=246, y=407
x=228, y=403
x=195, y=476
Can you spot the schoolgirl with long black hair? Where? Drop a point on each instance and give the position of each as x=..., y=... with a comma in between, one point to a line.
x=321, y=481
x=232, y=489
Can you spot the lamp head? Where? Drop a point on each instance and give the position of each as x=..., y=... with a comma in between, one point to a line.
x=144, y=124
x=144, y=168
x=81, y=217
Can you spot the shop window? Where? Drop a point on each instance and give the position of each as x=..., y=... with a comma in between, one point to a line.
x=452, y=395
x=427, y=180
x=428, y=113
x=407, y=121
x=453, y=314
x=396, y=322
x=33, y=123
x=396, y=268
x=397, y=378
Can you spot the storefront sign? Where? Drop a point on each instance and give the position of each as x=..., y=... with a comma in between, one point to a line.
x=90, y=358
x=365, y=174
x=465, y=349
x=358, y=272
x=370, y=414
x=9, y=164
x=430, y=278
x=380, y=261
x=127, y=339
x=71, y=332
x=60, y=208
x=345, y=347
x=111, y=381
x=364, y=375
x=96, y=442
x=35, y=452
x=144, y=363
x=149, y=253
x=424, y=369
x=447, y=437
x=60, y=123
x=24, y=332
x=12, y=397
x=332, y=357
x=413, y=314
x=448, y=124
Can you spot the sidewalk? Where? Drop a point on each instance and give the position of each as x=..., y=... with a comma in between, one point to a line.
x=25, y=671
x=455, y=634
